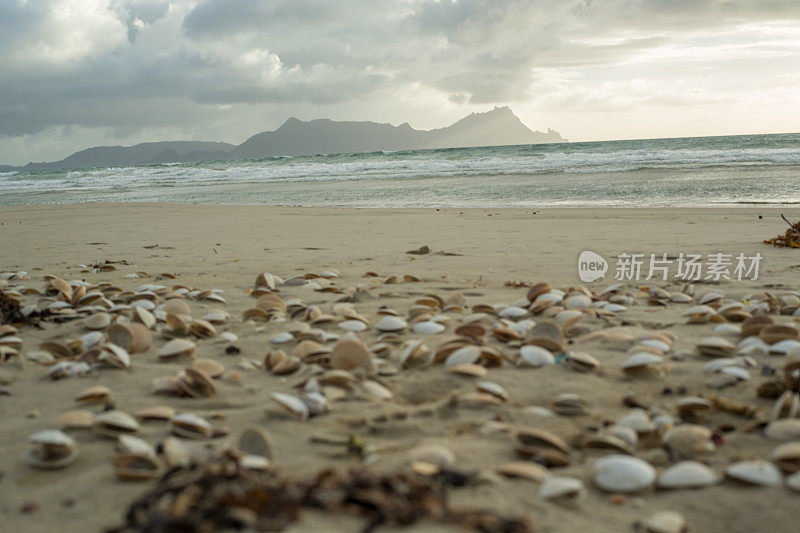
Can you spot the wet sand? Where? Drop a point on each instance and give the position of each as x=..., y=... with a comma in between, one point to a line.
x=226, y=247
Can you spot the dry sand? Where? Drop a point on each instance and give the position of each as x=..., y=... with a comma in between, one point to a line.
x=225, y=247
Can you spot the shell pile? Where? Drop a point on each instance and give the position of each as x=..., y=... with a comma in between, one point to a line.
x=307, y=347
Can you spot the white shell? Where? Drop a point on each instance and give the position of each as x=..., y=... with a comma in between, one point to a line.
x=535, y=356
x=463, y=356
x=561, y=486
x=642, y=359
x=512, y=312
x=793, y=481
x=687, y=475
x=391, y=323
x=294, y=405
x=282, y=338
x=623, y=473
x=428, y=327
x=353, y=325
x=755, y=472
x=783, y=429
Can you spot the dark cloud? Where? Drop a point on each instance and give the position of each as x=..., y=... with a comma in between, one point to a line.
x=146, y=63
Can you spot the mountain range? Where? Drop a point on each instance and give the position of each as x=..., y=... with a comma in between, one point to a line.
x=497, y=127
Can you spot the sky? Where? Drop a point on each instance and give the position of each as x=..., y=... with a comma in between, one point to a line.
x=81, y=73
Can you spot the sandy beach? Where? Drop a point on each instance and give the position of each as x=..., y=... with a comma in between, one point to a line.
x=474, y=251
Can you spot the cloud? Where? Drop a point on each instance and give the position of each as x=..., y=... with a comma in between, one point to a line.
x=189, y=66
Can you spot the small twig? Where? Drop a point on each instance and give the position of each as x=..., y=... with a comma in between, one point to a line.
x=787, y=221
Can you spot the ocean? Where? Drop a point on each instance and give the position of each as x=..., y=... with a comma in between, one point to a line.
x=685, y=172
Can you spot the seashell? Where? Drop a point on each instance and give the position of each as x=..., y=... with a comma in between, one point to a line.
x=78, y=419
x=428, y=327
x=202, y=328
x=351, y=352
x=166, y=385
x=353, y=325
x=265, y=279
x=435, y=455
x=786, y=406
x=753, y=326
x=665, y=522
x=687, y=475
x=490, y=387
x=638, y=420
x=58, y=349
x=607, y=441
x=375, y=389
x=136, y=467
x=640, y=361
x=562, y=489
x=699, y=314
x=97, y=321
x=96, y=394
x=216, y=316
x=114, y=423
x=777, y=332
x=537, y=290
x=472, y=330
x=567, y=319
x=548, y=337
x=540, y=438
x=256, y=446
x=135, y=445
x=196, y=383
x=755, y=472
x=687, y=441
x=191, y=426
x=159, y=412
x=577, y=301
x=692, y=406
x=568, y=404
x=51, y=449
x=463, y=356
x=209, y=366
x=732, y=330
x=545, y=301
x=470, y=370
x=144, y=317
x=177, y=348
x=582, y=362
x=523, y=470
x=715, y=347
x=512, y=312
x=787, y=456
x=115, y=356
x=623, y=473
x=91, y=339
x=535, y=357
x=390, y=323
x=784, y=347
x=415, y=354
x=783, y=429
x=227, y=336
x=292, y=404
x=40, y=357
x=793, y=481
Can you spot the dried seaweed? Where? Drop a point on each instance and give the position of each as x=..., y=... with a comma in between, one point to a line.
x=790, y=239
x=221, y=495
